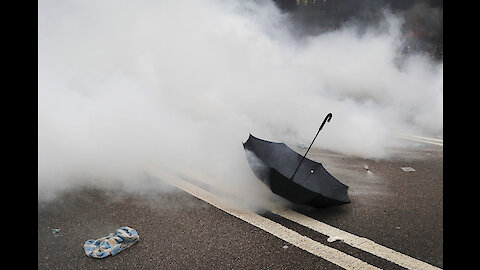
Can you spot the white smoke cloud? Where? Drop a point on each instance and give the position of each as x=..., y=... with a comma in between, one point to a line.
x=181, y=84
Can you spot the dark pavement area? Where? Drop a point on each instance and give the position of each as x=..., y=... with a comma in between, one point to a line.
x=397, y=209
x=177, y=231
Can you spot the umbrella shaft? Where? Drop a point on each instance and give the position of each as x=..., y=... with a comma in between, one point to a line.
x=327, y=119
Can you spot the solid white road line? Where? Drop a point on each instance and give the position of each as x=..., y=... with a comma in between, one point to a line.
x=422, y=139
x=348, y=238
x=330, y=254
x=355, y=241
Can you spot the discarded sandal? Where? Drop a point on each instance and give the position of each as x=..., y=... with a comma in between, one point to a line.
x=112, y=244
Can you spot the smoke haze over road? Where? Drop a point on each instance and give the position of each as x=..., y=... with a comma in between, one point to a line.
x=181, y=84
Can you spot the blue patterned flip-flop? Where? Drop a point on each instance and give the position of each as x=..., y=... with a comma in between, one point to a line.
x=111, y=244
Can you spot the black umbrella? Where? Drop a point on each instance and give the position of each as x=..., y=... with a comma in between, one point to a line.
x=296, y=178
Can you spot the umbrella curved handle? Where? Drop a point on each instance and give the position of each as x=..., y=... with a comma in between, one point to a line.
x=327, y=119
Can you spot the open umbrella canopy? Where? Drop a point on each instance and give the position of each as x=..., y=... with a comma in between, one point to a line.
x=292, y=176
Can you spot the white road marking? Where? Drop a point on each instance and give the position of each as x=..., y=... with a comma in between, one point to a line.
x=355, y=241
x=330, y=254
x=361, y=243
x=422, y=139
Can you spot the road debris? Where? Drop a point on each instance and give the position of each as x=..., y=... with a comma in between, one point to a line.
x=408, y=169
x=302, y=146
x=334, y=238
x=112, y=244
x=56, y=232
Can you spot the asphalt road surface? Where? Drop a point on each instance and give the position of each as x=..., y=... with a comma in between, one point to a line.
x=396, y=209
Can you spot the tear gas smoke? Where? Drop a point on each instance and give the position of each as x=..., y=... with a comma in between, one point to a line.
x=122, y=84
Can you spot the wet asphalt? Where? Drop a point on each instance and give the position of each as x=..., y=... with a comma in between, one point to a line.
x=397, y=209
